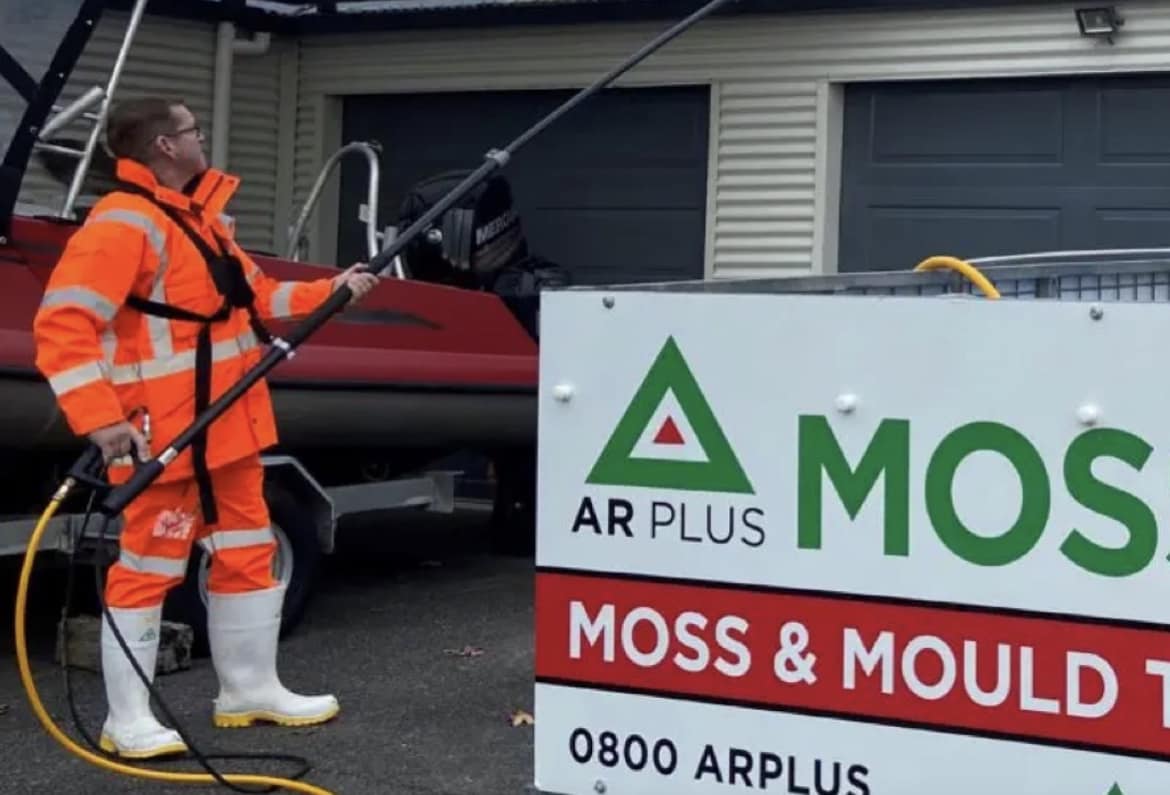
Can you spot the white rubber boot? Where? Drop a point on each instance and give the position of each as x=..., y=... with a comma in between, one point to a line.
x=131, y=730
x=243, y=630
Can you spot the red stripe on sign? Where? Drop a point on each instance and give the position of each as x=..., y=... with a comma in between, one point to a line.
x=1049, y=680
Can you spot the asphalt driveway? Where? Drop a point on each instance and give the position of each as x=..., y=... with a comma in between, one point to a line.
x=424, y=636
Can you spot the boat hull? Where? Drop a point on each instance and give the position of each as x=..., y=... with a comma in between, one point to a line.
x=414, y=367
x=373, y=420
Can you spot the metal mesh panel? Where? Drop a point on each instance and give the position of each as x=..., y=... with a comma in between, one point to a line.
x=1153, y=285
x=1134, y=287
x=1105, y=279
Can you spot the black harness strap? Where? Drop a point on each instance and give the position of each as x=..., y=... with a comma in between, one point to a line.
x=228, y=274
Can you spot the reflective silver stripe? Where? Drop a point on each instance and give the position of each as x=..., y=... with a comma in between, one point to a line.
x=77, y=377
x=166, y=567
x=92, y=300
x=157, y=237
x=158, y=327
x=109, y=345
x=282, y=299
x=235, y=539
x=180, y=362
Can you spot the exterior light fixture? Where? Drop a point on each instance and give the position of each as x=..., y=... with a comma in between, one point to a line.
x=1100, y=22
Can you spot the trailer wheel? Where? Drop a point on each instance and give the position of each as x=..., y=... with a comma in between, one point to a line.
x=296, y=565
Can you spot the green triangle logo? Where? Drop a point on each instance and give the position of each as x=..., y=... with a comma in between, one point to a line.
x=648, y=448
x=1115, y=790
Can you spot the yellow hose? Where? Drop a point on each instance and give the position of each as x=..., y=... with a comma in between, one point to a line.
x=35, y=699
x=965, y=268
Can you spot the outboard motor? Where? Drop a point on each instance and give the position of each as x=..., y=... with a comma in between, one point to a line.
x=478, y=244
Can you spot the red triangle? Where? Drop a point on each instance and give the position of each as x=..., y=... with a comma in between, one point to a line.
x=669, y=433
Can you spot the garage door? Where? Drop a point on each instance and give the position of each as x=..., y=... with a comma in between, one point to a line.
x=615, y=190
x=990, y=167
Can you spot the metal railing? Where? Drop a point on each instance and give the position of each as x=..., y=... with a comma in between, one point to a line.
x=374, y=238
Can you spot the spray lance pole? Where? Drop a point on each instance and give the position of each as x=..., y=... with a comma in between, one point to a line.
x=146, y=472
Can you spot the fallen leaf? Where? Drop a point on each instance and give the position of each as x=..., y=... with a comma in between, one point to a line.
x=3, y=709
x=466, y=651
x=522, y=718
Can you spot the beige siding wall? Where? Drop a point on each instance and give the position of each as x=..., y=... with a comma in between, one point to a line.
x=764, y=167
x=177, y=57
x=252, y=143
x=777, y=85
x=778, y=80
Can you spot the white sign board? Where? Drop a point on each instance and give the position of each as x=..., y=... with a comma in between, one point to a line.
x=829, y=545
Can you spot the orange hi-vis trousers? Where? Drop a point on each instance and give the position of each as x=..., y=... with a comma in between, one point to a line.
x=162, y=523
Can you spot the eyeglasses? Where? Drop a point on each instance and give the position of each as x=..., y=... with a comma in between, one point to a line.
x=195, y=128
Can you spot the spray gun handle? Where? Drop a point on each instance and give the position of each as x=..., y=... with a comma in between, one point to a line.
x=90, y=467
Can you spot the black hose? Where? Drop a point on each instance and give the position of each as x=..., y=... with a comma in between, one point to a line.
x=203, y=759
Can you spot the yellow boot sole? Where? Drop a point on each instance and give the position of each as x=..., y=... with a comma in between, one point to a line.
x=107, y=745
x=240, y=720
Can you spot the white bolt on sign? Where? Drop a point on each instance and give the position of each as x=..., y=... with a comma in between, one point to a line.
x=746, y=585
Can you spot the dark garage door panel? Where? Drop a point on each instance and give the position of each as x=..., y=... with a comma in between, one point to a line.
x=984, y=167
x=615, y=190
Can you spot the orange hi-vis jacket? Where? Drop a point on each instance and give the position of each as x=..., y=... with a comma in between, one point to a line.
x=104, y=348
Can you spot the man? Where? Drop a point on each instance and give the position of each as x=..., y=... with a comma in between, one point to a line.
x=154, y=308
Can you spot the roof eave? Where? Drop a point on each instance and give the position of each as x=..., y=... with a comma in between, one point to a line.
x=504, y=14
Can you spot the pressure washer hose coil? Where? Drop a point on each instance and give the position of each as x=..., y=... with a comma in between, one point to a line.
x=62, y=738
